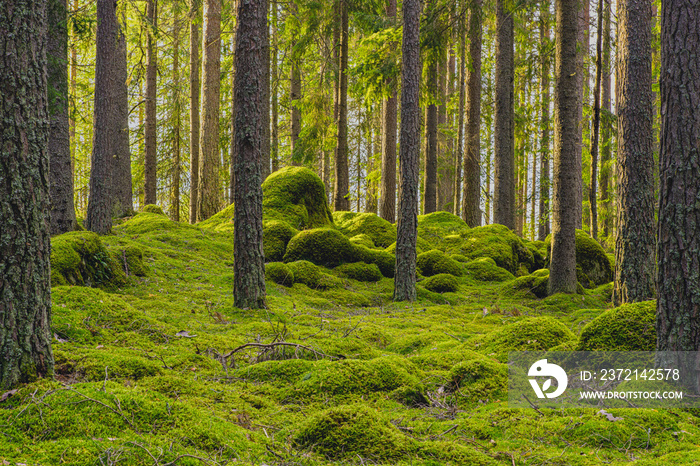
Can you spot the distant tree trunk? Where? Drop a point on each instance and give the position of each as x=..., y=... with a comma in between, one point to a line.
x=582, y=85
x=61, y=181
x=562, y=276
x=387, y=188
x=471, y=208
x=342, y=176
x=274, y=143
x=150, y=134
x=533, y=197
x=209, y=200
x=678, y=273
x=605, y=132
x=175, y=176
x=25, y=287
x=634, y=245
x=460, y=119
x=232, y=146
x=443, y=176
x=593, y=186
x=431, y=126
x=504, y=155
x=249, y=94
x=295, y=95
x=195, y=14
x=407, y=225
x=543, y=224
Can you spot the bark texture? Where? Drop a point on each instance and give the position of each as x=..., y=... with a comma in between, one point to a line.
x=342, y=173
x=195, y=15
x=387, y=188
x=605, y=131
x=150, y=160
x=595, y=138
x=175, y=172
x=543, y=221
x=295, y=94
x=459, y=161
x=431, y=129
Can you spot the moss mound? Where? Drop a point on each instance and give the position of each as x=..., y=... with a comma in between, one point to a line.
x=296, y=195
x=130, y=259
x=276, y=236
x=442, y=230
x=539, y=253
x=312, y=276
x=80, y=258
x=591, y=259
x=322, y=246
x=279, y=273
x=363, y=240
x=441, y=283
x=630, y=327
x=479, y=379
x=434, y=262
x=535, y=283
x=359, y=271
x=221, y=221
x=500, y=244
x=385, y=261
x=153, y=209
x=344, y=432
x=486, y=270
x=381, y=232
x=531, y=334
x=147, y=222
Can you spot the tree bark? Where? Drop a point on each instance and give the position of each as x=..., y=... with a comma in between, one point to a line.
x=593, y=186
x=342, y=176
x=274, y=143
x=562, y=275
x=295, y=95
x=249, y=131
x=195, y=15
x=634, y=245
x=150, y=135
x=266, y=144
x=458, y=210
x=175, y=175
x=543, y=223
x=61, y=182
x=409, y=155
x=605, y=130
x=387, y=188
x=25, y=246
x=431, y=122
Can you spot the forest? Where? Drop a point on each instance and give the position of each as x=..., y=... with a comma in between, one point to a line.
x=324, y=231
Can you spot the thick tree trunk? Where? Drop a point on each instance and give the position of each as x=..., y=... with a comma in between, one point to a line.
x=175, y=175
x=443, y=176
x=387, y=188
x=274, y=143
x=61, y=181
x=543, y=223
x=504, y=156
x=266, y=144
x=605, y=131
x=150, y=135
x=562, y=276
x=295, y=95
x=634, y=245
x=407, y=225
x=25, y=287
x=342, y=175
x=458, y=209
x=582, y=93
x=431, y=133
x=593, y=186
x=195, y=15
x=249, y=131
x=209, y=200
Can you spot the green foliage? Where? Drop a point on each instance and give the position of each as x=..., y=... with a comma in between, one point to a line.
x=359, y=271
x=434, y=262
x=630, y=327
x=276, y=236
x=296, y=195
x=80, y=258
x=381, y=232
x=441, y=283
x=500, y=244
x=486, y=270
x=279, y=273
x=153, y=209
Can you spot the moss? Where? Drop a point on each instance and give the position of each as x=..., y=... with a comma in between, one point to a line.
x=385, y=261
x=130, y=259
x=322, y=246
x=153, y=209
x=441, y=283
x=349, y=431
x=435, y=262
x=535, y=283
x=276, y=236
x=479, y=379
x=147, y=222
x=442, y=230
x=80, y=258
x=421, y=246
x=381, y=232
x=500, y=244
x=460, y=258
x=363, y=240
x=279, y=273
x=486, y=270
x=539, y=253
x=630, y=327
x=285, y=371
x=221, y=221
x=530, y=334
x=312, y=276
x=595, y=267
x=359, y=271
x=296, y=195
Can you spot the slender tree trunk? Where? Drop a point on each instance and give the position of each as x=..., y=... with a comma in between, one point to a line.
x=266, y=144
x=342, y=175
x=73, y=94
x=593, y=187
x=533, y=197
x=295, y=95
x=634, y=245
x=387, y=188
x=582, y=84
x=431, y=126
x=61, y=182
x=504, y=156
x=122, y=189
x=232, y=146
x=151, y=161
x=195, y=15
x=543, y=224
x=605, y=130
x=25, y=288
x=209, y=200
x=407, y=225
x=460, y=119
x=274, y=144
x=562, y=276
x=249, y=93
x=443, y=177
x=175, y=176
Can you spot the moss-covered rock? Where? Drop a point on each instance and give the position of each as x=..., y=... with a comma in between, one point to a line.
x=500, y=244
x=276, y=236
x=531, y=334
x=322, y=246
x=147, y=222
x=486, y=270
x=130, y=259
x=279, y=273
x=630, y=327
x=312, y=276
x=595, y=267
x=221, y=221
x=385, y=261
x=381, y=232
x=479, y=379
x=363, y=240
x=153, y=209
x=535, y=283
x=539, y=253
x=460, y=258
x=296, y=195
x=442, y=230
x=359, y=271
x=441, y=283
x=80, y=258
x=435, y=261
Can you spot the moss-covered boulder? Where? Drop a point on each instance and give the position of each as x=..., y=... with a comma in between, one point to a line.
x=363, y=240
x=153, y=209
x=312, y=276
x=279, y=273
x=435, y=261
x=530, y=334
x=500, y=244
x=595, y=267
x=80, y=258
x=535, y=283
x=322, y=246
x=130, y=259
x=147, y=222
x=442, y=230
x=276, y=236
x=381, y=232
x=359, y=271
x=441, y=283
x=385, y=261
x=486, y=270
x=296, y=195
x=539, y=253
x=479, y=379
x=630, y=327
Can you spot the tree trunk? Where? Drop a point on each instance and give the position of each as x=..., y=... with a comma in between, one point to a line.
x=460, y=119
x=209, y=200
x=387, y=188
x=25, y=249
x=605, y=131
x=195, y=15
x=150, y=135
x=232, y=146
x=274, y=143
x=504, y=156
x=175, y=175
x=266, y=155
x=295, y=95
x=249, y=94
x=342, y=175
x=61, y=181
x=582, y=85
x=543, y=224
x=562, y=275
x=443, y=176
x=634, y=245
x=407, y=225
x=471, y=208
x=431, y=128
x=593, y=186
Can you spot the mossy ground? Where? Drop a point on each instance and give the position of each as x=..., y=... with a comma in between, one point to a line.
x=145, y=372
